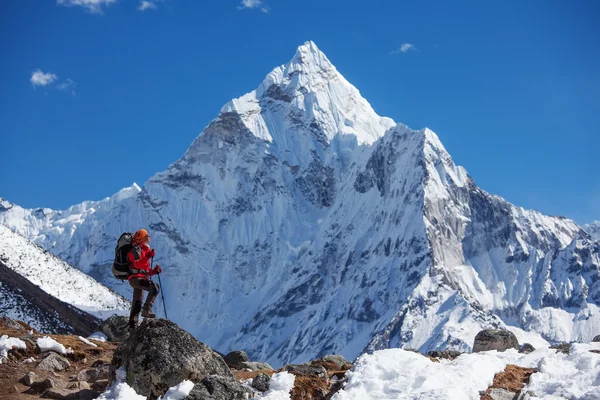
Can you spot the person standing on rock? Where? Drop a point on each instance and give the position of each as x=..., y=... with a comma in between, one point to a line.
x=140, y=277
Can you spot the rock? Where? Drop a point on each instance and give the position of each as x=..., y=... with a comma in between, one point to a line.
x=564, y=348
x=99, y=363
x=54, y=362
x=447, y=354
x=61, y=394
x=100, y=385
x=495, y=339
x=235, y=357
x=501, y=394
x=526, y=348
x=28, y=379
x=91, y=375
x=333, y=362
x=40, y=386
x=254, y=366
x=80, y=385
x=216, y=387
x=13, y=324
x=261, y=382
x=305, y=369
x=115, y=328
x=160, y=355
x=596, y=339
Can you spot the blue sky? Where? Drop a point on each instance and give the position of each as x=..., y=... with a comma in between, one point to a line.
x=97, y=94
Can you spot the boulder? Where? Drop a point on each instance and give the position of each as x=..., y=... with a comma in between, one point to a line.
x=526, y=348
x=40, y=386
x=54, y=362
x=61, y=394
x=234, y=358
x=306, y=369
x=254, y=366
x=261, y=382
x=596, y=339
x=91, y=375
x=501, y=394
x=495, y=339
x=216, y=387
x=100, y=385
x=160, y=355
x=564, y=348
x=28, y=379
x=447, y=354
x=116, y=328
x=333, y=362
x=79, y=385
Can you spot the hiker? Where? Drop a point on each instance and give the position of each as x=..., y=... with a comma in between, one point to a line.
x=140, y=277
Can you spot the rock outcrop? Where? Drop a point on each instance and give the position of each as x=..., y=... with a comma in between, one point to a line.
x=495, y=339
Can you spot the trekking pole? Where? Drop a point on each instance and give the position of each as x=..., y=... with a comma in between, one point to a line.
x=161, y=289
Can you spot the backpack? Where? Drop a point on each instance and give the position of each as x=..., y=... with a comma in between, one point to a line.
x=120, y=268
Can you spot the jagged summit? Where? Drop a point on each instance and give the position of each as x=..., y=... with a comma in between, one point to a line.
x=308, y=92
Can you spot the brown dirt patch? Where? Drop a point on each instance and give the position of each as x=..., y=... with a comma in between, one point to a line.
x=513, y=379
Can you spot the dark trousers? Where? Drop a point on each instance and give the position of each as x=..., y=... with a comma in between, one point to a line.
x=140, y=285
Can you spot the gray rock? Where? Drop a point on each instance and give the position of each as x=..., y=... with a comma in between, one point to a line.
x=526, y=348
x=100, y=385
x=306, y=369
x=235, y=357
x=502, y=394
x=116, y=328
x=216, y=387
x=79, y=385
x=261, y=382
x=54, y=362
x=447, y=354
x=339, y=361
x=160, y=355
x=28, y=379
x=91, y=375
x=596, y=339
x=564, y=348
x=61, y=394
x=254, y=366
x=495, y=339
x=40, y=386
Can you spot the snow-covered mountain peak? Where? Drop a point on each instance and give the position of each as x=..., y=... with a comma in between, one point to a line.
x=593, y=229
x=308, y=94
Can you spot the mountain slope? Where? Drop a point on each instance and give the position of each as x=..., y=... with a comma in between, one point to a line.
x=57, y=278
x=21, y=299
x=299, y=223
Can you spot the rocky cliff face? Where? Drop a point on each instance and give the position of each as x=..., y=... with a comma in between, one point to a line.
x=301, y=223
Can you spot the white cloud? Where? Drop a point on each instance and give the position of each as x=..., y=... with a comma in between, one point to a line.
x=39, y=78
x=93, y=6
x=147, y=5
x=405, y=47
x=68, y=85
x=253, y=4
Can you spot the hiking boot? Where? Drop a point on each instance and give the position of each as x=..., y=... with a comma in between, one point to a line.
x=147, y=313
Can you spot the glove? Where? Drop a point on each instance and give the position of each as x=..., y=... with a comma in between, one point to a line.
x=157, y=269
x=150, y=253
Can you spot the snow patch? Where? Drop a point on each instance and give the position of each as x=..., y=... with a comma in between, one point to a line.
x=178, y=392
x=46, y=343
x=84, y=340
x=7, y=343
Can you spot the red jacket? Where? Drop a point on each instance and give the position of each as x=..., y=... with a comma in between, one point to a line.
x=139, y=262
